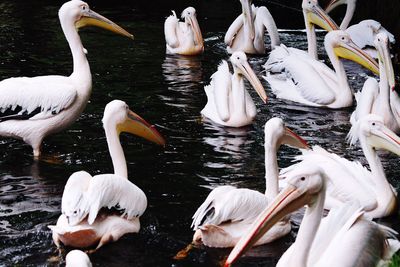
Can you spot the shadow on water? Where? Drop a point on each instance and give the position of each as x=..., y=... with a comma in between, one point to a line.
x=167, y=91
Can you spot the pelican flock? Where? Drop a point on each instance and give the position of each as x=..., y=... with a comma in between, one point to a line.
x=342, y=196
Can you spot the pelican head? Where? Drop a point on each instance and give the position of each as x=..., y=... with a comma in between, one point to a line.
x=117, y=115
x=371, y=129
x=190, y=17
x=344, y=47
x=77, y=258
x=382, y=43
x=305, y=183
x=242, y=67
x=81, y=15
x=335, y=3
x=314, y=14
x=247, y=13
x=276, y=130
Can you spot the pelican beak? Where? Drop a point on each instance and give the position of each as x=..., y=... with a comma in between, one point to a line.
x=386, y=139
x=292, y=139
x=386, y=60
x=136, y=125
x=254, y=81
x=91, y=18
x=288, y=200
x=248, y=16
x=351, y=51
x=316, y=15
x=196, y=29
x=333, y=4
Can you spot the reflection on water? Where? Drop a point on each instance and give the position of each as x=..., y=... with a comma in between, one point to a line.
x=169, y=92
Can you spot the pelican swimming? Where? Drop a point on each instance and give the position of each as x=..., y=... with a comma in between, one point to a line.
x=349, y=180
x=295, y=77
x=32, y=108
x=247, y=31
x=228, y=102
x=77, y=258
x=84, y=221
x=363, y=34
x=183, y=38
x=375, y=97
x=228, y=211
x=345, y=238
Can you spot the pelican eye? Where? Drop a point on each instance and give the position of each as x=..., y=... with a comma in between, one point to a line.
x=83, y=7
x=373, y=124
x=75, y=212
x=303, y=178
x=379, y=39
x=343, y=38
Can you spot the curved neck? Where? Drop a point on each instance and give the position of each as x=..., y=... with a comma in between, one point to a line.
x=384, y=92
x=116, y=151
x=263, y=20
x=80, y=64
x=308, y=230
x=383, y=190
x=271, y=168
x=351, y=6
x=311, y=38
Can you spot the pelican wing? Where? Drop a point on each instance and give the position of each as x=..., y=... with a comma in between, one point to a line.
x=221, y=85
x=171, y=25
x=35, y=98
x=363, y=34
x=232, y=31
x=110, y=190
x=74, y=190
x=365, y=100
x=229, y=204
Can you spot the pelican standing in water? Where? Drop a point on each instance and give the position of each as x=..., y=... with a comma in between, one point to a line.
x=364, y=33
x=307, y=81
x=375, y=97
x=247, y=31
x=32, y=108
x=228, y=212
x=345, y=238
x=228, y=102
x=349, y=180
x=84, y=221
x=183, y=38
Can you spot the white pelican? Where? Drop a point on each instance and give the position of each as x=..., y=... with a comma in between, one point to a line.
x=82, y=223
x=363, y=34
x=228, y=102
x=349, y=180
x=298, y=78
x=375, y=97
x=183, y=38
x=77, y=258
x=228, y=211
x=32, y=108
x=246, y=33
x=345, y=238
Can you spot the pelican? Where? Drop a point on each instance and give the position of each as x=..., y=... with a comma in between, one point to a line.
x=247, y=31
x=363, y=34
x=228, y=211
x=228, y=102
x=32, y=108
x=295, y=77
x=84, y=222
x=349, y=180
x=375, y=97
x=77, y=258
x=345, y=238
x=183, y=38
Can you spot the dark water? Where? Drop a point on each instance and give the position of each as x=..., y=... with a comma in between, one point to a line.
x=167, y=91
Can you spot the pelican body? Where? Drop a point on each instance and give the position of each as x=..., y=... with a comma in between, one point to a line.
x=344, y=238
x=228, y=102
x=183, y=38
x=32, y=108
x=363, y=33
x=81, y=223
x=349, y=180
x=375, y=96
x=247, y=31
x=296, y=77
x=227, y=212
